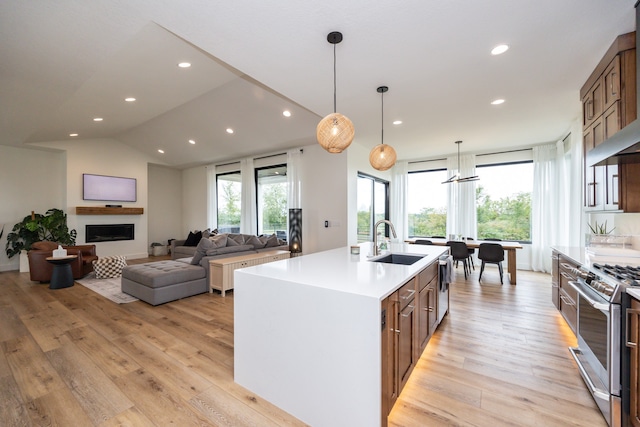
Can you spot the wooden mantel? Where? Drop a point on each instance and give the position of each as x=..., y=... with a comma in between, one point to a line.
x=101, y=210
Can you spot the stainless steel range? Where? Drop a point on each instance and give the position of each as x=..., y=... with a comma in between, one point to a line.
x=599, y=355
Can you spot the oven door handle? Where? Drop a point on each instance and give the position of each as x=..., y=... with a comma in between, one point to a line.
x=604, y=307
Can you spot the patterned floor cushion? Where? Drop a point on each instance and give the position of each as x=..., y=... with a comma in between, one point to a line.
x=109, y=267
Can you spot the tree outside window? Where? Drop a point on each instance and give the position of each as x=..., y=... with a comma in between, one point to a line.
x=427, y=203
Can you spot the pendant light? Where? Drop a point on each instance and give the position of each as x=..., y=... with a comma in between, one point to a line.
x=382, y=157
x=456, y=177
x=335, y=132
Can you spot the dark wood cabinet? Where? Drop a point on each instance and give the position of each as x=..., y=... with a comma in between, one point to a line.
x=409, y=317
x=609, y=104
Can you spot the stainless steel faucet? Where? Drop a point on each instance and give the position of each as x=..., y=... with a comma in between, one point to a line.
x=376, y=251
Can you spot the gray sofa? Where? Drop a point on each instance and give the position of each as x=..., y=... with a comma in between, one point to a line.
x=163, y=281
x=236, y=244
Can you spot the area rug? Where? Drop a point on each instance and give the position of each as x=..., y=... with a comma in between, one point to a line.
x=108, y=288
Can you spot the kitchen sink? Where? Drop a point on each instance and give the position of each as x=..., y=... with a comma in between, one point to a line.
x=403, y=259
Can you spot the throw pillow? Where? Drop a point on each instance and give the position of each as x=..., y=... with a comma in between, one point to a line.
x=231, y=242
x=193, y=238
x=201, y=250
x=238, y=238
x=272, y=241
x=206, y=233
x=253, y=240
x=220, y=241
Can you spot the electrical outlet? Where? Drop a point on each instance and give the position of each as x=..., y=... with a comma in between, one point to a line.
x=326, y=224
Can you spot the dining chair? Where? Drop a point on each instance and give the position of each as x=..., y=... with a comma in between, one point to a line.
x=471, y=252
x=423, y=242
x=491, y=253
x=460, y=252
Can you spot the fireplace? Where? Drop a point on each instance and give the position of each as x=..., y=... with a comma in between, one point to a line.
x=109, y=232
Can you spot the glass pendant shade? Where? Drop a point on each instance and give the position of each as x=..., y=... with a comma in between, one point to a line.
x=335, y=132
x=382, y=157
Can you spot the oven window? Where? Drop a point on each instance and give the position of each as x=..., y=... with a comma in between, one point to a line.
x=593, y=330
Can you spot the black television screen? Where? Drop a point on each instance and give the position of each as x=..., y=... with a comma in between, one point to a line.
x=108, y=188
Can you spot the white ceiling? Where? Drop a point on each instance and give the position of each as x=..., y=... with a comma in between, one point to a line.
x=64, y=62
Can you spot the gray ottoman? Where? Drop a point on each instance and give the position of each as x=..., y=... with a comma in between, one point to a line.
x=163, y=281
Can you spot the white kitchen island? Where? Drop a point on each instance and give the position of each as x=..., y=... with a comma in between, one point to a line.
x=307, y=332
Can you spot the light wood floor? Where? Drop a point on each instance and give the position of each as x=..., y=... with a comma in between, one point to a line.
x=70, y=357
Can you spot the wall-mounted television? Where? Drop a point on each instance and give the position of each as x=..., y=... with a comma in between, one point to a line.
x=108, y=188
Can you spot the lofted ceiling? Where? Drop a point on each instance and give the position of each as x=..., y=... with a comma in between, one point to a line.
x=66, y=62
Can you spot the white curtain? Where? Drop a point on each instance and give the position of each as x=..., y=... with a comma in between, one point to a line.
x=212, y=198
x=398, y=214
x=545, y=212
x=294, y=158
x=249, y=215
x=461, y=198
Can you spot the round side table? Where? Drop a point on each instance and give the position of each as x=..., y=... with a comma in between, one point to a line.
x=62, y=277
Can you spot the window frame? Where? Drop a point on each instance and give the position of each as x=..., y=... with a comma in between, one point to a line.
x=439, y=169
x=508, y=163
x=257, y=198
x=387, y=201
x=239, y=173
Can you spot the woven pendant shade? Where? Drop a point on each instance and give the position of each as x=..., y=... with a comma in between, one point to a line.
x=382, y=157
x=335, y=132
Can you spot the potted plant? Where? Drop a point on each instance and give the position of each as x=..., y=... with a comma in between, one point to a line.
x=52, y=226
x=599, y=233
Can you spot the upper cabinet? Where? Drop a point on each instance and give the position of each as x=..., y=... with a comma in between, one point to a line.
x=608, y=105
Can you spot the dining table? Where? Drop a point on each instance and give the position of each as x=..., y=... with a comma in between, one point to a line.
x=509, y=247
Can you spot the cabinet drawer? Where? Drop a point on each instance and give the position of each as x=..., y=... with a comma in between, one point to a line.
x=407, y=293
x=569, y=310
x=427, y=275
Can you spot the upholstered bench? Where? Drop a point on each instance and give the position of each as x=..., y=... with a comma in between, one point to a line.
x=163, y=281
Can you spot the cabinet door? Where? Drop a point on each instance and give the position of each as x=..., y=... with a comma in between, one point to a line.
x=390, y=335
x=611, y=83
x=432, y=306
x=406, y=327
x=629, y=171
x=632, y=343
x=594, y=175
x=423, y=319
x=592, y=103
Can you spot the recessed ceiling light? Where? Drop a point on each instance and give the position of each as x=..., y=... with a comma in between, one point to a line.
x=229, y=130
x=73, y=134
x=191, y=141
x=497, y=102
x=184, y=64
x=286, y=113
x=397, y=122
x=161, y=151
x=501, y=48
x=130, y=99
x=98, y=119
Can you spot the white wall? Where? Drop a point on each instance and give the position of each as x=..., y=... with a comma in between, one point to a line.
x=30, y=180
x=106, y=157
x=165, y=204
x=194, y=201
x=324, y=196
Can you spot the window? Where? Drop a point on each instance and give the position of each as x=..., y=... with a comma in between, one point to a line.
x=271, y=185
x=427, y=203
x=229, y=190
x=373, y=205
x=503, y=201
